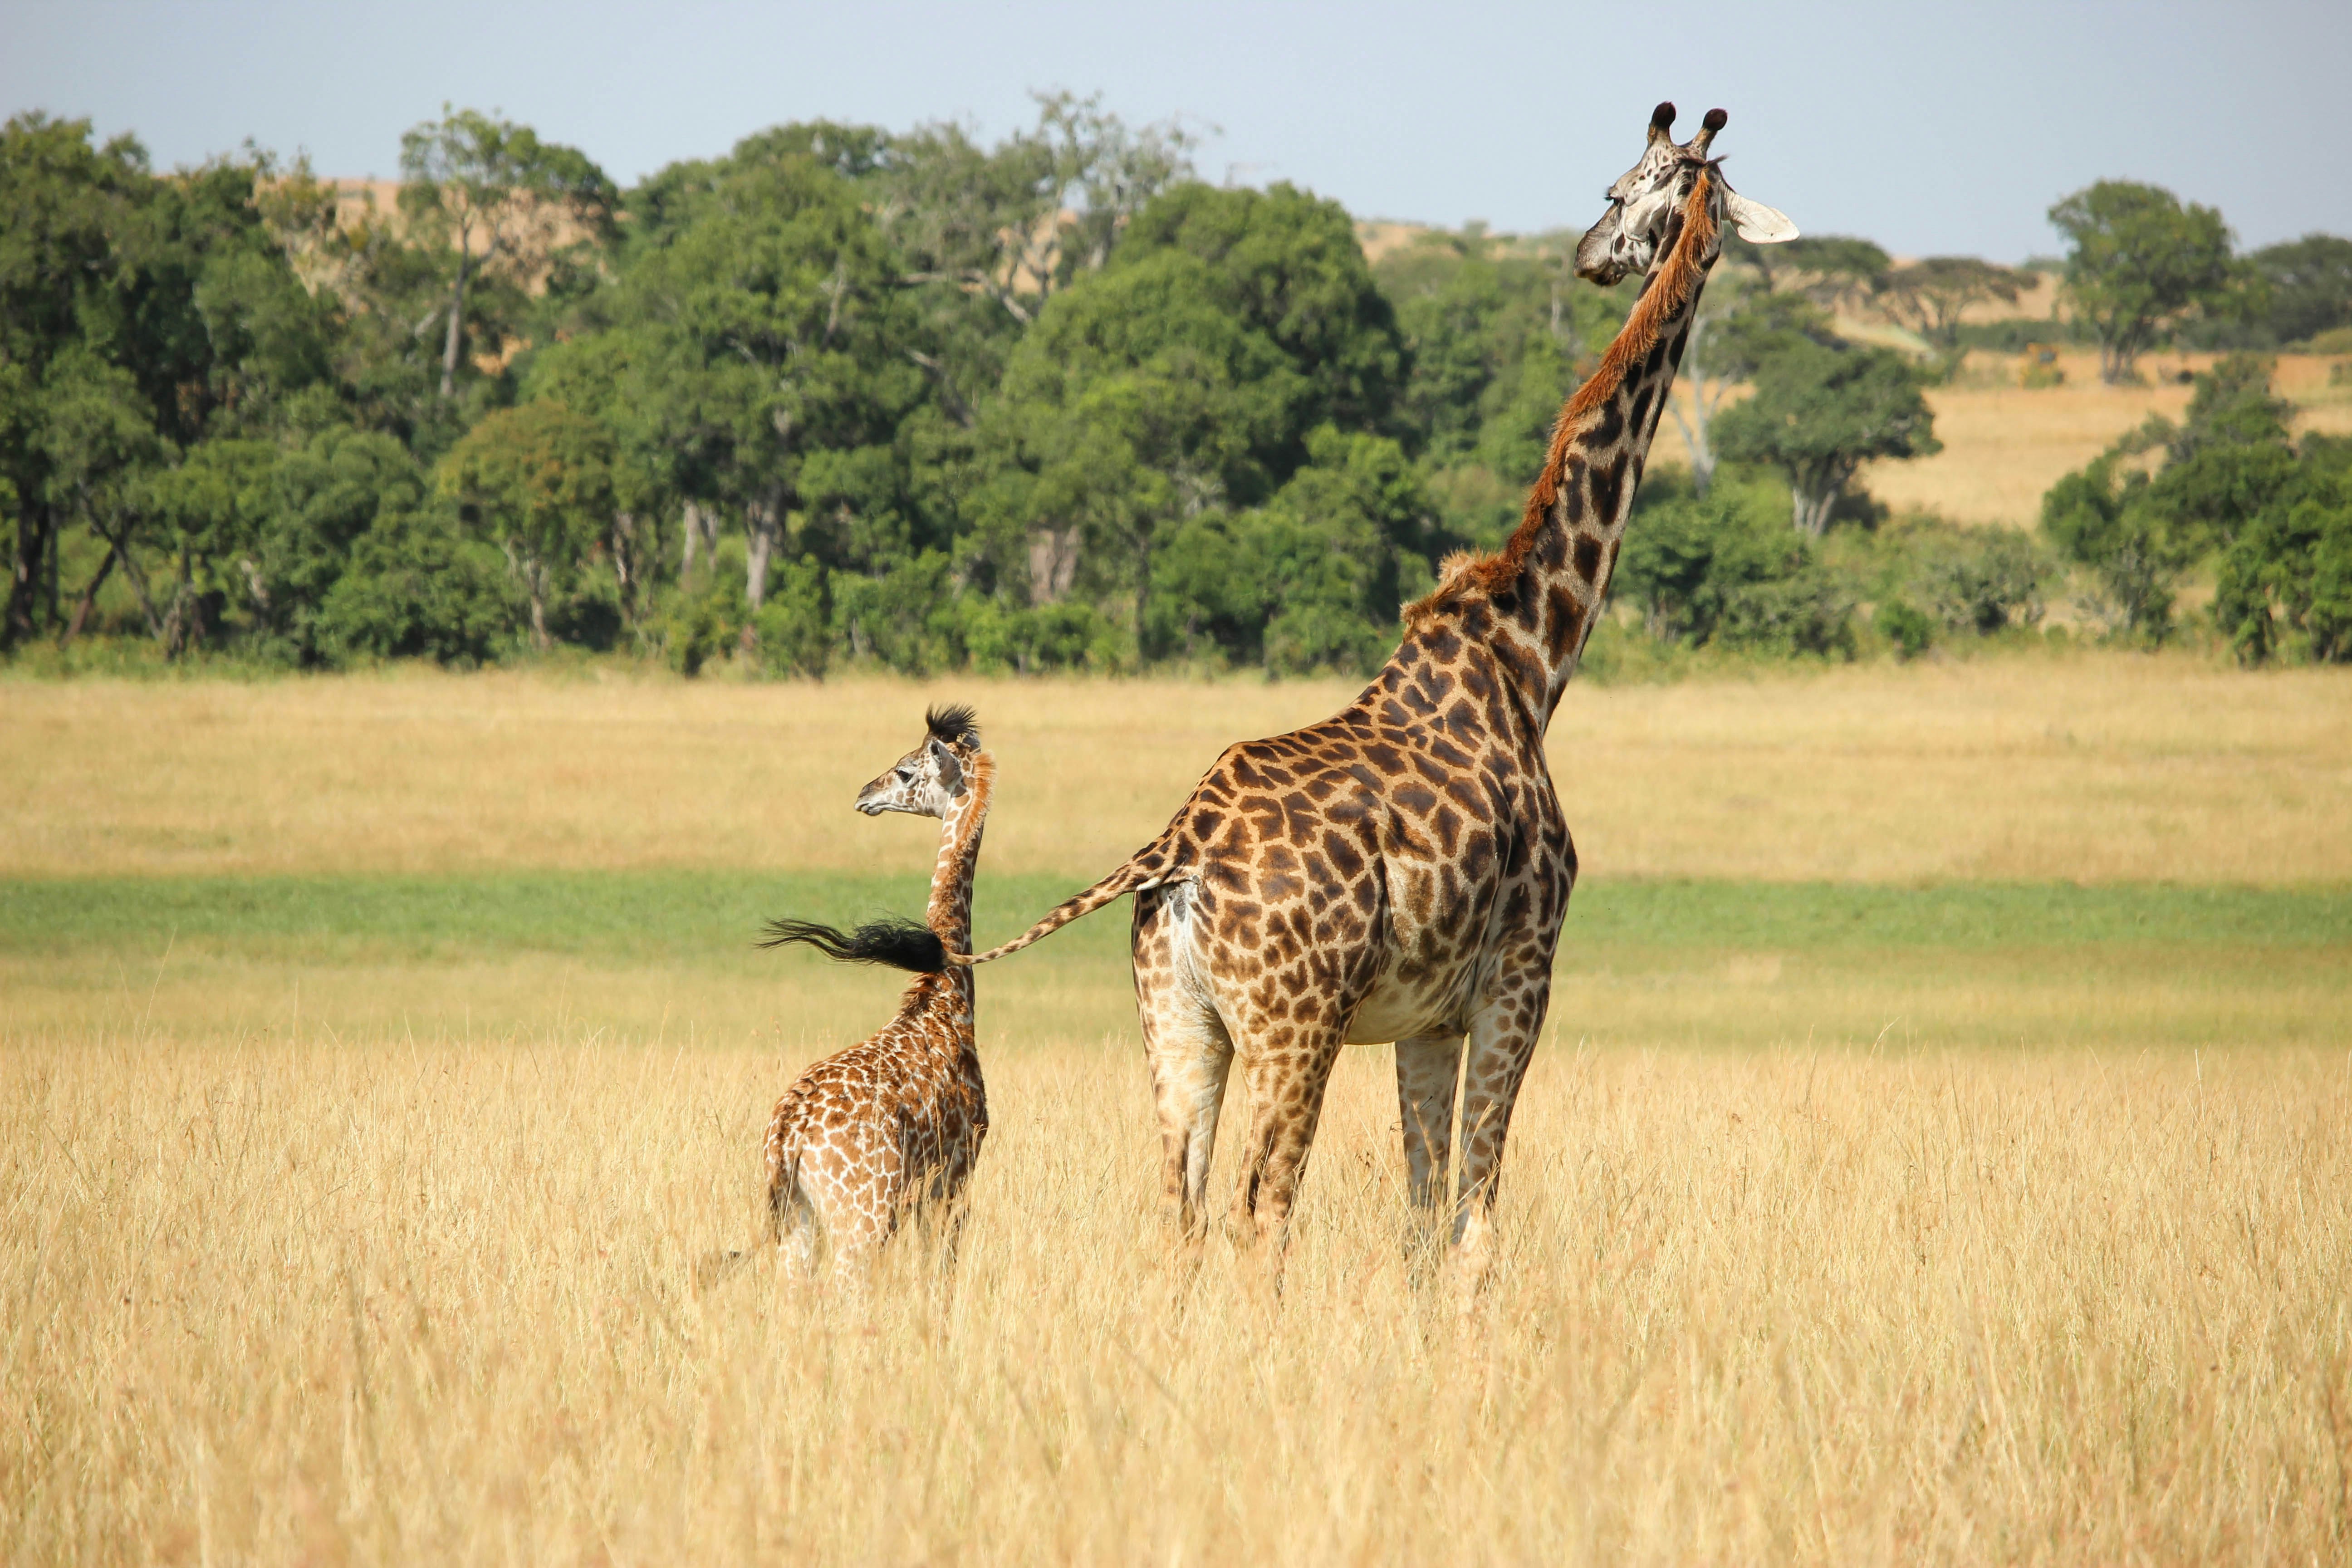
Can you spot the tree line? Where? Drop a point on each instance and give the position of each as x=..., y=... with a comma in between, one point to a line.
x=852, y=396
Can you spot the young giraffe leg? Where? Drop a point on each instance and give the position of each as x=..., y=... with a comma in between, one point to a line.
x=1426, y=1069
x=1503, y=1035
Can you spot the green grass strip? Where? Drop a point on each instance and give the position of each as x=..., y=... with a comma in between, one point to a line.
x=667, y=915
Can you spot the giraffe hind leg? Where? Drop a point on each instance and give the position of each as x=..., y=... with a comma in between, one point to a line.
x=1427, y=1067
x=1288, y=1077
x=1190, y=1054
x=1503, y=1035
x=793, y=1224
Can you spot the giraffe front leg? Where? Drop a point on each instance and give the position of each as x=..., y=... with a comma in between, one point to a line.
x=1503, y=1035
x=1427, y=1066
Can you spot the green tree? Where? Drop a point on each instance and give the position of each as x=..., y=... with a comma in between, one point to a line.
x=776, y=373
x=2224, y=467
x=2139, y=262
x=1311, y=580
x=537, y=480
x=1739, y=329
x=1719, y=570
x=610, y=376
x=2305, y=286
x=211, y=512
x=1139, y=399
x=1492, y=332
x=98, y=453
x=359, y=558
x=1820, y=413
x=1016, y=223
x=1183, y=382
x=505, y=205
x=2283, y=590
x=1288, y=265
x=62, y=203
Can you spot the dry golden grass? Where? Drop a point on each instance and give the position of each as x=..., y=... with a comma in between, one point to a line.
x=2004, y=447
x=335, y=1246
x=2093, y=768
x=300, y=1300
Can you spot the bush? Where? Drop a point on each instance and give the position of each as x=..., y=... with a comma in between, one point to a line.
x=1981, y=581
x=904, y=618
x=418, y=588
x=790, y=630
x=698, y=628
x=1906, y=627
x=2224, y=467
x=1068, y=634
x=1712, y=572
x=2285, y=587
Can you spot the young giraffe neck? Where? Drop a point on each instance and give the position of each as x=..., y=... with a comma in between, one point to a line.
x=1547, y=584
x=950, y=911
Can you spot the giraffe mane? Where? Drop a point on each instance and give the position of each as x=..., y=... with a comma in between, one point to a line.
x=1463, y=571
x=956, y=724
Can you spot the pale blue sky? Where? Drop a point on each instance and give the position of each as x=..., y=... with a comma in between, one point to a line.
x=1930, y=129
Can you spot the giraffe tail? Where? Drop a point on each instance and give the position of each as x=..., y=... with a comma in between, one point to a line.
x=900, y=943
x=1148, y=868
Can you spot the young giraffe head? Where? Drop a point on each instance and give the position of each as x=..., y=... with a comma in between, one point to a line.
x=1647, y=201
x=929, y=779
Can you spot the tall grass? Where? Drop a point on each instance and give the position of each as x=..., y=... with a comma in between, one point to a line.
x=390, y=1301
x=381, y=1059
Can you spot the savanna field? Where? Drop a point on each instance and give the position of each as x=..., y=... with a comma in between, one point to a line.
x=1937, y=1152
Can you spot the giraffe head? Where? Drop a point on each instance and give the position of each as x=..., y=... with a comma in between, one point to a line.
x=929, y=779
x=1646, y=198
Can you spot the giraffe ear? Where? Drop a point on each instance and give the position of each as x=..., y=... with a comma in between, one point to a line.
x=1758, y=224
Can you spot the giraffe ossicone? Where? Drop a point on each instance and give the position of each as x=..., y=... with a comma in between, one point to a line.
x=871, y=1136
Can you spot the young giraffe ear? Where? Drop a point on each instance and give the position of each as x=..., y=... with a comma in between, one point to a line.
x=1758, y=224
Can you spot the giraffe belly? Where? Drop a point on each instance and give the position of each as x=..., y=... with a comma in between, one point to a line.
x=1397, y=1007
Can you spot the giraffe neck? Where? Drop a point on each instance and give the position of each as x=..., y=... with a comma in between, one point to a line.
x=950, y=911
x=1546, y=587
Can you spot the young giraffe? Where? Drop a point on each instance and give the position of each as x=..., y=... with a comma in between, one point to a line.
x=1400, y=871
x=870, y=1135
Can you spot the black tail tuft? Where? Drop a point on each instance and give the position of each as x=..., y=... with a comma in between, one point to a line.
x=900, y=943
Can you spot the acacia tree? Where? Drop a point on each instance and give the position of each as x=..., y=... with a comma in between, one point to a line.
x=1820, y=413
x=504, y=202
x=537, y=480
x=1826, y=268
x=2140, y=262
x=1929, y=297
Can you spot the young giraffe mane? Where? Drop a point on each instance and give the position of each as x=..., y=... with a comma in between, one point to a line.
x=1464, y=572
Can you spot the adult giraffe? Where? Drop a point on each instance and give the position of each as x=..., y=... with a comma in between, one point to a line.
x=1400, y=871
